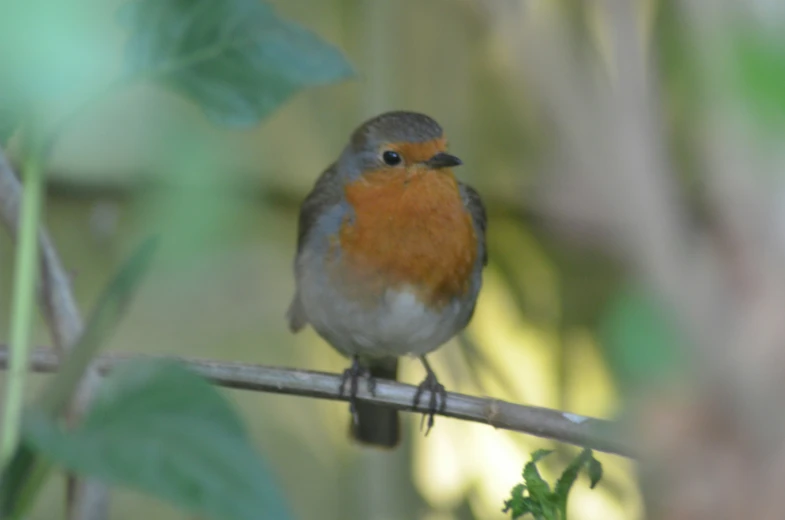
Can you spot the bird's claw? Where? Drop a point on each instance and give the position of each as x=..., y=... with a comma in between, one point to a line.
x=438, y=393
x=352, y=376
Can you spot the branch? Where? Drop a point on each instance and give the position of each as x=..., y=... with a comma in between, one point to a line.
x=598, y=434
x=90, y=499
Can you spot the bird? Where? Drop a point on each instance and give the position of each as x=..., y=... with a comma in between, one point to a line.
x=390, y=253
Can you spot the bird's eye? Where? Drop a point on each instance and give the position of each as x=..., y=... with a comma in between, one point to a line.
x=391, y=158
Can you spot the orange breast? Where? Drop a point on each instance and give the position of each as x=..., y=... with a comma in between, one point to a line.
x=409, y=229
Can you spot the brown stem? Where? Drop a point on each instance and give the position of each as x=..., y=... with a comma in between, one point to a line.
x=560, y=426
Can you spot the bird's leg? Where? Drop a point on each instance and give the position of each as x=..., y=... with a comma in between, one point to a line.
x=352, y=376
x=371, y=383
x=436, y=389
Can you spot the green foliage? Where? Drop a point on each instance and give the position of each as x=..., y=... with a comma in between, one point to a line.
x=641, y=340
x=17, y=488
x=534, y=496
x=154, y=427
x=109, y=310
x=164, y=430
x=235, y=58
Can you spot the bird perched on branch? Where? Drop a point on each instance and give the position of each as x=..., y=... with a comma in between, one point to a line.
x=390, y=253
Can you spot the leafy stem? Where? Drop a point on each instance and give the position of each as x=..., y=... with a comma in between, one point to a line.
x=534, y=496
x=23, y=303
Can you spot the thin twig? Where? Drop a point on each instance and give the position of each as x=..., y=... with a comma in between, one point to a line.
x=65, y=324
x=598, y=434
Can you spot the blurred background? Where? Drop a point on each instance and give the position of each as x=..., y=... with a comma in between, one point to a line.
x=532, y=98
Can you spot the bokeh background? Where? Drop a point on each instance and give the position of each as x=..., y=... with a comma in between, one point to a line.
x=144, y=161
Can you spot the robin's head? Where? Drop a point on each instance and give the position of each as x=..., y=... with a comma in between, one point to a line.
x=399, y=142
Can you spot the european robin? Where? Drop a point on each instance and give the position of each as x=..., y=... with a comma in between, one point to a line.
x=390, y=254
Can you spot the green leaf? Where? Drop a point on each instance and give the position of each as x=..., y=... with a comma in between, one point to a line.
x=641, y=340
x=595, y=471
x=570, y=475
x=534, y=508
x=517, y=491
x=516, y=503
x=108, y=312
x=236, y=58
x=144, y=389
x=540, y=454
x=519, y=506
x=567, y=479
x=538, y=488
x=162, y=429
x=17, y=485
x=541, y=503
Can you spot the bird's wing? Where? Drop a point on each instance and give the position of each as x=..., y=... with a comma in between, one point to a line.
x=325, y=194
x=473, y=203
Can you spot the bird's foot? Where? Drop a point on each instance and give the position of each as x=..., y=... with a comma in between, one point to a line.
x=438, y=393
x=351, y=376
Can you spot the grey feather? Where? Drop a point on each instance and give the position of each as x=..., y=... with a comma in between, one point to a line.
x=476, y=208
x=296, y=314
x=325, y=194
x=396, y=126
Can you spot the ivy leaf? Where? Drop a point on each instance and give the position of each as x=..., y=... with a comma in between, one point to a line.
x=164, y=430
x=235, y=58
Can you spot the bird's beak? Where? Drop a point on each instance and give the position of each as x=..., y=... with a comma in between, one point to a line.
x=442, y=160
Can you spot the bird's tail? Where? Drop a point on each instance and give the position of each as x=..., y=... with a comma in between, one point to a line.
x=378, y=425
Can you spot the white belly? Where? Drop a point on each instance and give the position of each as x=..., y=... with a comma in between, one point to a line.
x=398, y=326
